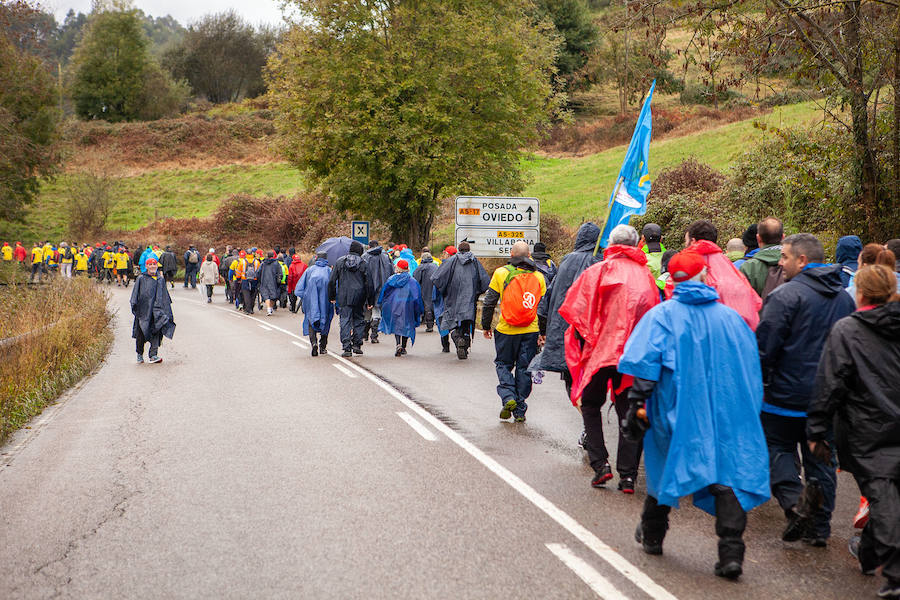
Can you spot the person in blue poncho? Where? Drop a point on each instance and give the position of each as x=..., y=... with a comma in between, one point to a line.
x=698, y=399
x=401, y=307
x=312, y=290
x=410, y=258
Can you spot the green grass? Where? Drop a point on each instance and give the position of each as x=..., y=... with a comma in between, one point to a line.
x=570, y=188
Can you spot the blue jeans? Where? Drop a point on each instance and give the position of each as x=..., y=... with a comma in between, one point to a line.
x=514, y=352
x=783, y=435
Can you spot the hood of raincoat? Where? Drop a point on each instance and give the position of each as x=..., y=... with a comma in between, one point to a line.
x=704, y=409
x=825, y=280
x=733, y=287
x=464, y=257
x=603, y=306
x=401, y=306
x=586, y=238
x=848, y=249
x=540, y=256
x=426, y=259
x=353, y=261
x=375, y=250
x=883, y=320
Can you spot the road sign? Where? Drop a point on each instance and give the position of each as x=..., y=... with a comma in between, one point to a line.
x=493, y=242
x=497, y=211
x=359, y=231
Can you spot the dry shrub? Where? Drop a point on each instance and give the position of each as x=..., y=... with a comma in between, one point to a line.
x=65, y=335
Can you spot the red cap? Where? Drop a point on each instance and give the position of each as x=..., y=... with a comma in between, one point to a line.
x=451, y=250
x=685, y=265
x=151, y=261
x=296, y=257
x=402, y=264
x=242, y=254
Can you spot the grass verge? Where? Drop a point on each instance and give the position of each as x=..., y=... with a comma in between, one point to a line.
x=68, y=322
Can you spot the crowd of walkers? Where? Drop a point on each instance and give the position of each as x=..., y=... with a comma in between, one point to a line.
x=737, y=375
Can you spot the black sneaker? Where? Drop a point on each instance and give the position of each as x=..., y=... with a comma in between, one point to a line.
x=730, y=570
x=346, y=354
x=357, y=351
x=429, y=329
x=654, y=548
x=315, y=351
x=398, y=351
x=891, y=589
x=462, y=353
x=602, y=476
x=402, y=351
x=626, y=485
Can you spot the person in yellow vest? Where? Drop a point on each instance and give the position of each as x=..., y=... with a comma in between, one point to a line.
x=109, y=265
x=66, y=259
x=37, y=262
x=81, y=263
x=121, y=267
x=7, y=252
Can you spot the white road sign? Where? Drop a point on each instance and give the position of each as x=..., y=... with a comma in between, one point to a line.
x=499, y=212
x=492, y=242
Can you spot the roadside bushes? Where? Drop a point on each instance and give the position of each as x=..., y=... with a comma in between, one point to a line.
x=53, y=335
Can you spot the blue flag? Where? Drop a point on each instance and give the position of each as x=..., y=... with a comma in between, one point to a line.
x=629, y=196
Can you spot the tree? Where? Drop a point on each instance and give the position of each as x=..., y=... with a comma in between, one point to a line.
x=28, y=127
x=113, y=76
x=573, y=22
x=222, y=57
x=91, y=196
x=389, y=106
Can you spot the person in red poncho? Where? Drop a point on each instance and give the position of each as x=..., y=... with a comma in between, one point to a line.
x=733, y=288
x=19, y=253
x=295, y=272
x=602, y=307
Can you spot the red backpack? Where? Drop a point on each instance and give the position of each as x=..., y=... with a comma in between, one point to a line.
x=521, y=294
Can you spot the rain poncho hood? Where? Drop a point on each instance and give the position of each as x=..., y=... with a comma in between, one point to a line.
x=312, y=289
x=603, y=306
x=553, y=358
x=407, y=255
x=704, y=410
x=733, y=288
x=401, y=306
x=152, y=307
x=378, y=267
x=142, y=263
x=847, y=254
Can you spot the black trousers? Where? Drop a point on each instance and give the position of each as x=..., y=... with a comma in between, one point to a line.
x=140, y=341
x=293, y=300
x=428, y=317
x=353, y=324
x=401, y=340
x=209, y=291
x=628, y=455
x=249, y=296
x=880, y=543
x=462, y=335
x=731, y=520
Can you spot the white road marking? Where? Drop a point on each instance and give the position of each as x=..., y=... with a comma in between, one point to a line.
x=418, y=427
x=344, y=370
x=265, y=328
x=299, y=345
x=586, y=573
x=583, y=534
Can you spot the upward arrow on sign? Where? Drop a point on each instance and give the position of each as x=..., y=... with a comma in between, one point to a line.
x=530, y=212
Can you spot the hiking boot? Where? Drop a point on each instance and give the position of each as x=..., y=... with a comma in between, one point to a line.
x=323, y=342
x=402, y=351
x=506, y=411
x=626, y=485
x=154, y=359
x=891, y=589
x=462, y=353
x=796, y=527
x=398, y=351
x=654, y=548
x=800, y=516
x=445, y=344
x=315, y=350
x=140, y=359
x=602, y=476
x=730, y=570
x=346, y=354
x=357, y=351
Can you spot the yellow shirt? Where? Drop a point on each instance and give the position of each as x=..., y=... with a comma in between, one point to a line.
x=81, y=261
x=37, y=255
x=7, y=253
x=121, y=260
x=109, y=260
x=503, y=327
x=62, y=256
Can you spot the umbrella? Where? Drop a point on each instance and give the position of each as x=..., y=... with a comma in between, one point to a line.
x=335, y=248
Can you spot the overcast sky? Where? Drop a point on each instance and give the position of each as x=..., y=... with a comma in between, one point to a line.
x=185, y=11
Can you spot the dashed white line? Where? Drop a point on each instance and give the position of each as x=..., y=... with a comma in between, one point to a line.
x=588, y=574
x=344, y=370
x=417, y=427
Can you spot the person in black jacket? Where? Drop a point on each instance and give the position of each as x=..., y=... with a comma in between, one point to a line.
x=795, y=321
x=857, y=390
x=351, y=290
x=168, y=265
x=378, y=269
x=423, y=274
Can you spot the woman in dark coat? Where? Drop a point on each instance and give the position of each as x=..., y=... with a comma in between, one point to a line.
x=152, y=310
x=857, y=393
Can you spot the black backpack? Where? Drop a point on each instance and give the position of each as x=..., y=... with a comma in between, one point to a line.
x=774, y=278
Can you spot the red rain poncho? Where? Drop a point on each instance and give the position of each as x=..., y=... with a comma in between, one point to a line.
x=603, y=305
x=734, y=289
x=295, y=272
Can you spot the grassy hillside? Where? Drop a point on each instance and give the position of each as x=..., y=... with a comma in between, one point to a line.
x=571, y=188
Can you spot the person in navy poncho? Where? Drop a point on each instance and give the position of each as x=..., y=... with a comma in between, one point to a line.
x=152, y=310
x=312, y=289
x=401, y=307
x=702, y=393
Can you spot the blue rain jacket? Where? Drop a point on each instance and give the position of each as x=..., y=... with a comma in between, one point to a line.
x=312, y=289
x=401, y=306
x=142, y=261
x=704, y=410
x=409, y=257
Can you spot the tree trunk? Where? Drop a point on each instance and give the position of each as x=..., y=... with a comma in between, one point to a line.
x=896, y=144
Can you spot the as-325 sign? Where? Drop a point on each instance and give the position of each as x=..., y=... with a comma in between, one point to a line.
x=475, y=211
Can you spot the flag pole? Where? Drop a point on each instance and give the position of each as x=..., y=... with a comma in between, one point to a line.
x=619, y=183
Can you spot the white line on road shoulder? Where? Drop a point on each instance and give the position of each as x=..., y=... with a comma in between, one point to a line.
x=586, y=573
x=566, y=521
x=418, y=427
x=344, y=370
x=298, y=344
x=265, y=328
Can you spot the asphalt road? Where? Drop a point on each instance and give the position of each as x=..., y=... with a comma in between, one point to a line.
x=242, y=467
